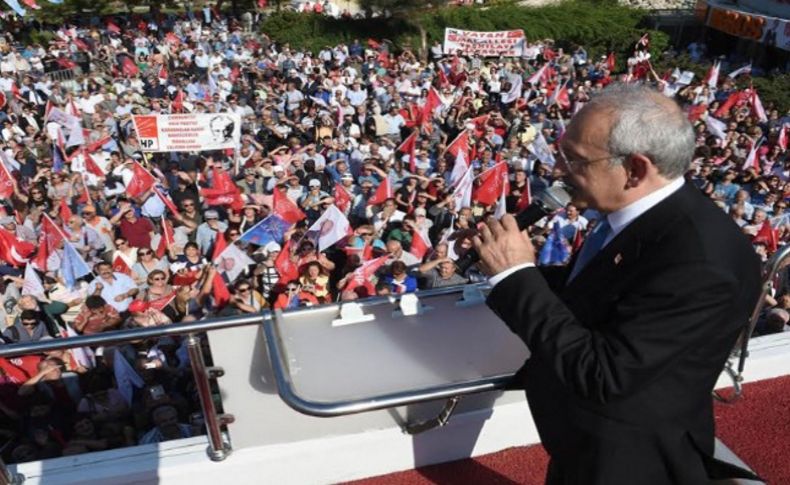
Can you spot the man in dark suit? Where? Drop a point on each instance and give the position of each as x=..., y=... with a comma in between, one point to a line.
x=627, y=341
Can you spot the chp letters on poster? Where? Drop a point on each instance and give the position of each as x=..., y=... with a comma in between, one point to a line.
x=188, y=132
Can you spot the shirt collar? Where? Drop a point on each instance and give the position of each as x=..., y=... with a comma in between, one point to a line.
x=619, y=219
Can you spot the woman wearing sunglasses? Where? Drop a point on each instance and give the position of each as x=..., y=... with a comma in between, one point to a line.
x=294, y=297
x=147, y=264
x=157, y=286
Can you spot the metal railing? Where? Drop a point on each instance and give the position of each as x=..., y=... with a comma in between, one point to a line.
x=341, y=408
x=219, y=449
x=741, y=351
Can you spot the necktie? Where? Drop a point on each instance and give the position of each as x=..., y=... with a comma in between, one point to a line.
x=591, y=246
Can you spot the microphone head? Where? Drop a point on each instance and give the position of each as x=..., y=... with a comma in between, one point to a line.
x=554, y=197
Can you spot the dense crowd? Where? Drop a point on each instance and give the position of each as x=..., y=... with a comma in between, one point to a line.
x=405, y=156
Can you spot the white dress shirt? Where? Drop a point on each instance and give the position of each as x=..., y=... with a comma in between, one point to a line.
x=618, y=220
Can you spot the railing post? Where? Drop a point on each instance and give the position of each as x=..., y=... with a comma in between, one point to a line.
x=218, y=449
x=8, y=478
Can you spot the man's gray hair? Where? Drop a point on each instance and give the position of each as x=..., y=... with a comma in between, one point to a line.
x=645, y=122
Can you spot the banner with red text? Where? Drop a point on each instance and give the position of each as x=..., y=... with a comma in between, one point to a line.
x=188, y=132
x=508, y=43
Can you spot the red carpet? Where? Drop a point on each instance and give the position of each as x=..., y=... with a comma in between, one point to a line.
x=756, y=428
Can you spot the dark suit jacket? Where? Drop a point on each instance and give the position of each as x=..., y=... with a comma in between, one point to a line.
x=624, y=358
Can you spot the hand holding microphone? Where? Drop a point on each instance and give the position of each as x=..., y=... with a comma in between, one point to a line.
x=502, y=244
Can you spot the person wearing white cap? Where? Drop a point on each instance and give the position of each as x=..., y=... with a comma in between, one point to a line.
x=279, y=178
x=207, y=232
x=266, y=274
x=314, y=201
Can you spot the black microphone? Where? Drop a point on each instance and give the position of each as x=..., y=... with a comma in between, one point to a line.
x=544, y=203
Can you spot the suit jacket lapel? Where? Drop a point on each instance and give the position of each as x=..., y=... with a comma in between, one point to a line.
x=625, y=249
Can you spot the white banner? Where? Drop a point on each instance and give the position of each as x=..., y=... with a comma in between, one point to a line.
x=192, y=132
x=508, y=43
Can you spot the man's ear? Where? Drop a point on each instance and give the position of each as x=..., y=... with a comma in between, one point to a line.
x=637, y=168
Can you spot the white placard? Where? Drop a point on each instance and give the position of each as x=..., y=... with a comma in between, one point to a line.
x=188, y=132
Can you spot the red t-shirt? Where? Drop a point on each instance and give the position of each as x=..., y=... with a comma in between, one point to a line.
x=138, y=233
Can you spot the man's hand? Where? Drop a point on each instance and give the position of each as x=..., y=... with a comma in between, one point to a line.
x=501, y=245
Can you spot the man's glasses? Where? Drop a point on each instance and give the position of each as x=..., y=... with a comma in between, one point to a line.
x=231, y=234
x=291, y=289
x=574, y=166
x=144, y=253
x=29, y=323
x=188, y=205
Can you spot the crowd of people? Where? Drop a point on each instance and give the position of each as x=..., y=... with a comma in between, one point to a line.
x=407, y=155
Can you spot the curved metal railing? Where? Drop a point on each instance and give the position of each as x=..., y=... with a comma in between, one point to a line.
x=219, y=449
x=741, y=351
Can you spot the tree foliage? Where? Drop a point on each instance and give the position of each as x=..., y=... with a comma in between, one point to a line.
x=599, y=28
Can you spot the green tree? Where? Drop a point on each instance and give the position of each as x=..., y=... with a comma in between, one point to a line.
x=408, y=11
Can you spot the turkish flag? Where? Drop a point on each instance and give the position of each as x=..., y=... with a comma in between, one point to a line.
x=363, y=273
x=81, y=45
x=112, y=27
x=419, y=244
x=767, y=235
x=382, y=193
x=65, y=211
x=491, y=185
x=525, y=199
x=286, y=209
x=13, y=250
x=480, y=123
x=562, y=98
x=167, y=238
x=408, y=146
x=696, y=111
x=54, y=236
x=161, y=303
x=342, y=198
x=219, y=245
x=220, y=291
x=91, y=165
x=223, y=191
x=178, y=102
x=141, y=181
x=733, y=99
x=461, y=143
x=6, y=181
x=578, y=240
x=85, y=196
x=42, y=255
x=128, y=67
x=443, y=81
x=120, y=266
x=432, y=101
x=167, y=201
x=172, y=38
x=285, y=266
